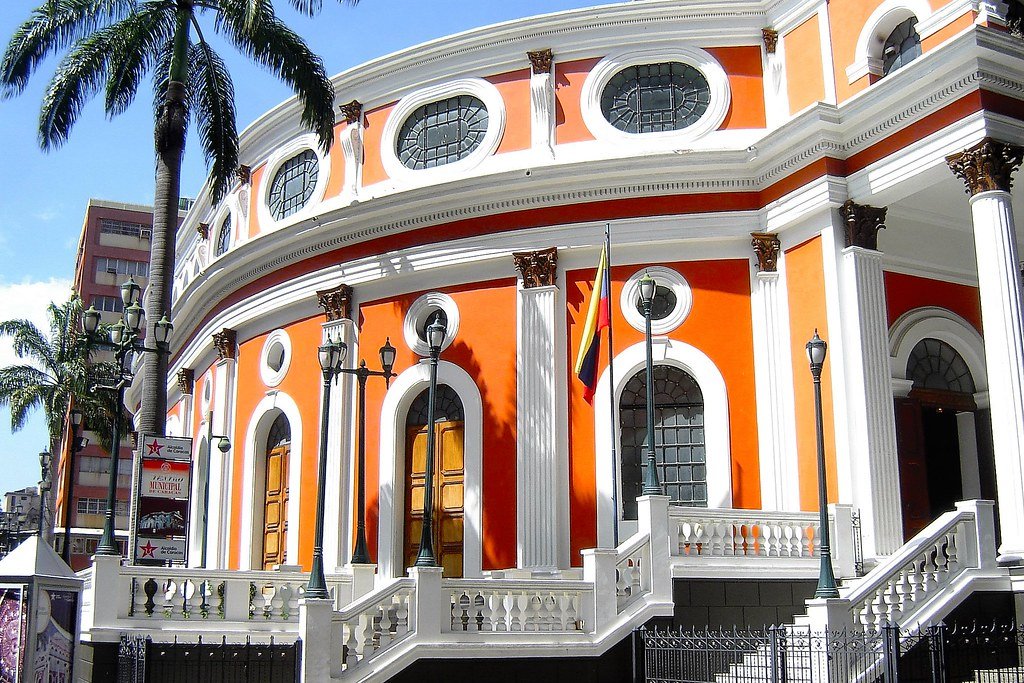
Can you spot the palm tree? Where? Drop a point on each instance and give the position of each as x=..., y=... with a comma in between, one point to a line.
x=113, y=45
x=55, y=375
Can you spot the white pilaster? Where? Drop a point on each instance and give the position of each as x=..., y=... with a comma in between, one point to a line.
x=1000, y=284
x=340, y=452
x=352, y=148
x=220, y=469
x=872, y=433
x=540, y=470
x=542, y=112
x=773, y=373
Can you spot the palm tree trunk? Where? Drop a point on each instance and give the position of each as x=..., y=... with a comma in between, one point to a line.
x=170, y=146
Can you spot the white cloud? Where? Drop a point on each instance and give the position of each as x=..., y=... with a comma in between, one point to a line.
x=28, y=300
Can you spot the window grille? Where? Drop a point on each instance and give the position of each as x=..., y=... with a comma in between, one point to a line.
x=442, y=132
x=447, y=407
x=901, y=47
x=934, y=364
x=678, y=438
x=653, y=98
x=112, y=226
x=280, y=433
x=293, y=184
x=663, y=304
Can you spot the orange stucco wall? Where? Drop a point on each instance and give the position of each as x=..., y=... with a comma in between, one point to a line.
x=846, y=19
x=805, y=75
x=373, y=168
x=807, y=312
x=746, y=83
x=962, y=22
x=904, y=293
x=569, y=78
x=254, y=200
x=302, y=384
x=486, y=349
x=717, y=286
x=515, y=92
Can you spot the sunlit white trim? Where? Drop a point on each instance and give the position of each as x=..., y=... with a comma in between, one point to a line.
x=417, y=316
x=270, y=376
x=932, y=322
x=665, y=277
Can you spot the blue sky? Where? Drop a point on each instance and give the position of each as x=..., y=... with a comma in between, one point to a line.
x=43, y=195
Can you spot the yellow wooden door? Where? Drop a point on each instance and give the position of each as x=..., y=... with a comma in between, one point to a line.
x=449, y=494
x=275, y=508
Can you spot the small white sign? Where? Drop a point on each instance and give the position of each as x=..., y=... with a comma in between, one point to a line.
x=164, y=549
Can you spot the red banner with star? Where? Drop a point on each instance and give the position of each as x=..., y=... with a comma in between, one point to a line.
x=161, y=511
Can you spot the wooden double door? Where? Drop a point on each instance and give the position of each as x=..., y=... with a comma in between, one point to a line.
x=275, y=507
x=449, y=494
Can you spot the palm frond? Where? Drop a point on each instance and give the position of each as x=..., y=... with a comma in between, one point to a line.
x=50, y=28
x=212, y=100
x=23, y=388
x=134, y=51
x=28, y=341
x=78, y=77
x=275, y=46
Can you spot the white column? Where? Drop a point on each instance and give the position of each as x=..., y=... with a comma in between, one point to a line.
x=1000, y=284
x=540, y=471
x=338, y=497
x=773, y=373
x=352, y=148
x=542, y=103
x=869, y=403
x=220, y=465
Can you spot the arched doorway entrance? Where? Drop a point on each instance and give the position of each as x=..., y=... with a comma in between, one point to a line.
x=275, y=493
x=678, y=438
x=943, y=439
x=449, y=479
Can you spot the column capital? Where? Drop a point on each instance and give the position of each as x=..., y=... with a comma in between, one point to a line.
x=537, y=267
x=862, y=224
x=987, y=166
x=186, y=381
x=336, y=302
x=204, y=230
x=352, y=112
x=766, y=249
x=541, y=60
x=771, y=39
x=244, y=174
x=224, y=341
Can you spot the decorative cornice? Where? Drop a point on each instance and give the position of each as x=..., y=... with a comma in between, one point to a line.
x=770, y=38
x=537, y=268
x=987, y=166
x=336, y=302
x=541, y=60
x=186, y=381
x=352, y=111
x=244, y=174
x=224, y=341
x=204, y=230
x=766, y=248
x=862, y=224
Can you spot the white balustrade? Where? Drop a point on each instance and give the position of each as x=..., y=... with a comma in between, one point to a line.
x=371, y=625
x=707, y=532
x=632, y=569
x=511, y=606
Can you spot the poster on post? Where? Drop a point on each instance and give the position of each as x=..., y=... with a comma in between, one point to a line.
x=162, y=500
x=56, y=614
x=13, y=632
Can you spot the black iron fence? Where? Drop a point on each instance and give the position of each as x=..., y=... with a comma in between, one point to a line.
x=788, y=654
x=140, y=660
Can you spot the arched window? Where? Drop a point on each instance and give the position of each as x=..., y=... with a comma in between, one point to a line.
x=447, y=407
x=293, y=184
x=934, y=364
x=280, y=433
x=678, y=438
x=901, y=47
x=224, y=237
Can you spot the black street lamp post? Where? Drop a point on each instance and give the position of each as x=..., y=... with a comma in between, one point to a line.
x=76, y=445
x=360, y=553
x=435, y=339
x=816, y=349
x=331, y=355
x=124, y=339
x=652, y=483
x=44, y=488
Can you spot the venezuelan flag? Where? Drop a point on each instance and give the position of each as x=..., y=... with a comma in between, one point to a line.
x=597, y=320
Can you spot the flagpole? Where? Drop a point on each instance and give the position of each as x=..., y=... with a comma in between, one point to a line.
x=611, y=388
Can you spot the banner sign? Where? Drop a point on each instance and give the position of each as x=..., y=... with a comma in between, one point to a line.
x=13, y=632
x=56, y=614
x=162, y=500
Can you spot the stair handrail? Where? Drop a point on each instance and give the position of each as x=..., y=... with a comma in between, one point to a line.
x=373, y=598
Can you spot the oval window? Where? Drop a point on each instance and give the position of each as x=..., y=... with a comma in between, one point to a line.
x=442, y=132
x=293, y=184
x=654, y=98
